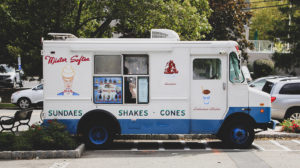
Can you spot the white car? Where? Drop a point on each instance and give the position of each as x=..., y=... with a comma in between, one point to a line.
x=29, y=97
x=9, y=76
x=260, y=82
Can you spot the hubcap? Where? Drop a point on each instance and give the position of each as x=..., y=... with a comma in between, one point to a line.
x=24, y=103
x=239, y=135
x=295, y=116
x=98, y=135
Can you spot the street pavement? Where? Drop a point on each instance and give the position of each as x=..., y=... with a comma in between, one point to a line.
x=177, y=154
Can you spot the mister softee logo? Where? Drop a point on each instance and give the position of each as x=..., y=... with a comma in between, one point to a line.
x=74, y=59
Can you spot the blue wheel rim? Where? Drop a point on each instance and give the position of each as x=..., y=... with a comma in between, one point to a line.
x=98, y=135
x=239, y=135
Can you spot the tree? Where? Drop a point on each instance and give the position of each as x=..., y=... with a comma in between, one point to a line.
x=23, y=23
x=227, y=20
x=263, y=18
x=288, y=30
x=188, y=18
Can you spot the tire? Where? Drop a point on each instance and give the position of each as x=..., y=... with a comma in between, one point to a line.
x=293, y=114
x=98, y=136
x=24, y=103
x=238, y=134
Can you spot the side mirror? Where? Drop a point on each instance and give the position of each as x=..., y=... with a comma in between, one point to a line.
x=34, y=88
x=252, y=85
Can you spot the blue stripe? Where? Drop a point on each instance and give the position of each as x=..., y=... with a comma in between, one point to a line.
x=176, y=126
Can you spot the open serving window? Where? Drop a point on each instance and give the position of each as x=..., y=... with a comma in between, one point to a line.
x=128, y=83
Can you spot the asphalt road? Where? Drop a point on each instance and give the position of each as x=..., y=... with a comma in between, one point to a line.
x=177, y=154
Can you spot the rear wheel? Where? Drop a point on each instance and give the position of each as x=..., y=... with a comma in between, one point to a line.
x=238, y=134
x=293, y=114
x=97, y=135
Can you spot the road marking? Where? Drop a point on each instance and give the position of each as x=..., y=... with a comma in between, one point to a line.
x=279, y=145
x=205, y=144
x=60, y=165
x=258, y=146
x=135, y=146
x=296, y=141
x=160, y=146
x=184, y=144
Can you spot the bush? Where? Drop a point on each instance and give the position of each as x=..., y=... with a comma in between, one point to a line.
x=291, y=126
x=6, y=140
x=52, y=136
x=263, y=67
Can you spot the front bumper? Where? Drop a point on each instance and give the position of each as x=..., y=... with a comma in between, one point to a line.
x=271, y=124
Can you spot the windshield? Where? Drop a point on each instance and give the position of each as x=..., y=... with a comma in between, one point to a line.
x=235, y=74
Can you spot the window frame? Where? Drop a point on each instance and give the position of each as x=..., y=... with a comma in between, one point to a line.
x=135, y=55
x=239, y=68
x=122, y=76
x=282, y=87
x=220, y=63
x=122, y=102
x=109, y=74
x=146, y=77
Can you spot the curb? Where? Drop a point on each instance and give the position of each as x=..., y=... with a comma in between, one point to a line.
x=198, y=136
x=43, y=154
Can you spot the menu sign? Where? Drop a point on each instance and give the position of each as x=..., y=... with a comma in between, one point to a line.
x=108, y=90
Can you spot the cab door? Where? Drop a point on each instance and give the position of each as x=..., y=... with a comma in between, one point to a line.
x=208, y=92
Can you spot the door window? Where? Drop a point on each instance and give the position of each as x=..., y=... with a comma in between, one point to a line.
x=204, y=69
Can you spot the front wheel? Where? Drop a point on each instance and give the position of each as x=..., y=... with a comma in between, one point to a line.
x=98, y=136
x=239, y=135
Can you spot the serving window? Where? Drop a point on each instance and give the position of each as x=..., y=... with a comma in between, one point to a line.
x=131, y=87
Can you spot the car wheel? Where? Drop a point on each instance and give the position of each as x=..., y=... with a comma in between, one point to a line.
x=98, y=136
x=293, y=114
x=238, y=134
x=24, y=103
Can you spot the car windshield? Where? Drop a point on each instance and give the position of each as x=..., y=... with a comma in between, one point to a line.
x=235, y=73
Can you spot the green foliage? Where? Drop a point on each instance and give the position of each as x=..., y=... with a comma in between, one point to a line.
x=6, y=140
x=23, y=23
x=288, y=31
x=263, y=67
x=291, y=126
x=227, y=20
x=264, y=19
x=51, y=137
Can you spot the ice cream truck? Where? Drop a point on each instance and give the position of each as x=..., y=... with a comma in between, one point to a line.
x=159, y=85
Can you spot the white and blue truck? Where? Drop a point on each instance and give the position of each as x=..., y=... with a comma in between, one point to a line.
x=160, y=85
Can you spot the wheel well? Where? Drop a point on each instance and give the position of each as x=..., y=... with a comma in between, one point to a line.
x=289, y=110
x=23, y=98
x=98, y=116
x=236, y=117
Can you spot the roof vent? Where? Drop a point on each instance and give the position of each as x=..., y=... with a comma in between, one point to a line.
x=164, y=33
x=61, y=36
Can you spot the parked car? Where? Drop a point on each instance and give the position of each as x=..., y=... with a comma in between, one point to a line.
x=285, y=98
x=9, y=76
x=260, y=82
x=29, y=97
